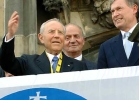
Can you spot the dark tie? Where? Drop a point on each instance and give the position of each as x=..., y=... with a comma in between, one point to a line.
x=55, y=60
x=128, y=45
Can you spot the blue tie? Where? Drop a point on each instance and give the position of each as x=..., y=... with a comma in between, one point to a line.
x=128, y=44
x=55, y=60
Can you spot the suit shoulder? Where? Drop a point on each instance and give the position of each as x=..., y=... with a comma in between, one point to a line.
x=26, y=57
x=77, y=65
x=90, y=64
x=72, y=59
x=30, y=56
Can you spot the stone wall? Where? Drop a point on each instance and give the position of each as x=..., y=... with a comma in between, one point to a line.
x=26, y=39
x=92, y=15
x=1, y=20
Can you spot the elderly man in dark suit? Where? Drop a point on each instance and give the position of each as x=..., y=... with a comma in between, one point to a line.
x=52, y=35
x=74, y=42
x=118, y=51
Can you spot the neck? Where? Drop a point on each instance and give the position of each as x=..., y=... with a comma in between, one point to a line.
x=53, y=52
x=73, y=54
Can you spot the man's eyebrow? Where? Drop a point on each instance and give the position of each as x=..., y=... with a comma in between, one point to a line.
x=50, y=29
x=67, y=35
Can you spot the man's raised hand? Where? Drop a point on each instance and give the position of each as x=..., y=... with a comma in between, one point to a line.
x=12, y=25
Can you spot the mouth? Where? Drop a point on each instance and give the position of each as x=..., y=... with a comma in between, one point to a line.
x=73, y=45
x=55, y=42
x=118, y=20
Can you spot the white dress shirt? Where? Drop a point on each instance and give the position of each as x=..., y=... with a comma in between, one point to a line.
x=130, y=31
x=50, y=56
x=79, y=58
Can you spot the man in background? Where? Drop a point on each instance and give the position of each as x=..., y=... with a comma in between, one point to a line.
x=119, y=51
x=74, y=42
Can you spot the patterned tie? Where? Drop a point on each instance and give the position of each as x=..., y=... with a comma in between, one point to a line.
x=128, y=44
x=55, y=60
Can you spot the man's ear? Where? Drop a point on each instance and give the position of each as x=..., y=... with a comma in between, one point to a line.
x=135, y=8
x=40, y=36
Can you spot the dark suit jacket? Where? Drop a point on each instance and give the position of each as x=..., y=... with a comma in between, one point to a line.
x=2, y=73
x=112, y=54
x=0, y=56
x=34, y=64
x=90, y=65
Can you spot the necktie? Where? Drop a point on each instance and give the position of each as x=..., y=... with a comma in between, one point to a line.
x=55, y=60
x=128, y=45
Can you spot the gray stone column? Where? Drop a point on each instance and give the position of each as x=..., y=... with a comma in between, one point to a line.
x=1, y=20
x=30, y=25
x=25, y=39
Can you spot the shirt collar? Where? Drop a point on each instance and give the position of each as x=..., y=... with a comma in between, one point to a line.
x=50, y=56
x=130, y=31
x=79, y=58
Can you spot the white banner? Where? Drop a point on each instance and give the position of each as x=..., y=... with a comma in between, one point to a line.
x=103, y=84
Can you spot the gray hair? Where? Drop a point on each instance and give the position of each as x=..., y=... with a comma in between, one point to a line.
x=130, y=3
x=53, y=19
x=76, y=26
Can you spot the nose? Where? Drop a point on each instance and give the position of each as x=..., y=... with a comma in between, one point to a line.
x=115, y=13
x=72, y=40
x=56, y=34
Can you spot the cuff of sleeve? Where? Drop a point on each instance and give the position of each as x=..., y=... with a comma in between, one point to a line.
x=8, y=40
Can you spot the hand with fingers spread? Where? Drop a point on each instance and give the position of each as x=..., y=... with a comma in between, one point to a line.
x=12, y=25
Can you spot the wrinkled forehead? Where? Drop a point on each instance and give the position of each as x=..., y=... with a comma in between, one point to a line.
x=73, y=29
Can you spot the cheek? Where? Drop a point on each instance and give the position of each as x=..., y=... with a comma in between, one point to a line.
x=80, y=42
x=112, y=18
x=66, y=44
x=48, y=37
x=45, y=40
x=62, y=39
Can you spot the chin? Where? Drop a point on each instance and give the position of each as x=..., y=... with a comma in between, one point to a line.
x=119, y=25
x=57, y=49
x=73, y=50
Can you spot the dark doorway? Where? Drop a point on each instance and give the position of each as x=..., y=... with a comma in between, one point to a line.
x=42, y=14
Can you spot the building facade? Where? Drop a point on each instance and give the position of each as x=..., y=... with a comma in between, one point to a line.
x=96, y=22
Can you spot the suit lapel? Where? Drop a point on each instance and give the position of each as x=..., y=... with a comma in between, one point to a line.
x=118, y=50
x=67, y=64
x=43, y=63
x=134, y=55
